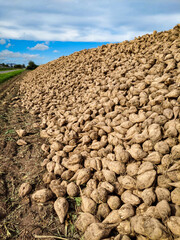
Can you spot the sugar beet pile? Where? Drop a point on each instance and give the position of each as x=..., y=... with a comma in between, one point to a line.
x=111, y=116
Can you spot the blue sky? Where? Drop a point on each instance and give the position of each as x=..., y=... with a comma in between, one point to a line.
x=22, y=51
x=44, y=30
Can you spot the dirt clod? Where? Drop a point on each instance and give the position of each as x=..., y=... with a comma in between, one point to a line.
x=24, y=189
x=21, y=142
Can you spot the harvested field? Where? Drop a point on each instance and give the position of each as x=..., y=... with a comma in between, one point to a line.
x=109, y=122
x=20, y=218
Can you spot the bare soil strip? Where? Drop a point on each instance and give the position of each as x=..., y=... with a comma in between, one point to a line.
x=21, y=218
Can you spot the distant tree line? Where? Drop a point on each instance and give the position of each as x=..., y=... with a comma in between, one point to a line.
x=3, y=65
x=19, y=66
x=12, y=65
x=31, y=65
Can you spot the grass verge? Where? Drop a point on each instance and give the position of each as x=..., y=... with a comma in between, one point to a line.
x=6, y=69
x=5, y=76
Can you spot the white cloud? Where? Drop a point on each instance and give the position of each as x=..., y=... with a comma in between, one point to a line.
x=2, y=41
x=39, y=46
x=8, y=45
x=55, y=51
x=9, y=56
x=71, y=34
x=77, y=20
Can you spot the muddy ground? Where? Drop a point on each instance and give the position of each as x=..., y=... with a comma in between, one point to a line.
x=21, y=218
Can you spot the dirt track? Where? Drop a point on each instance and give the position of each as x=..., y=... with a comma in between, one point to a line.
x=21, y=218
x=7, y=71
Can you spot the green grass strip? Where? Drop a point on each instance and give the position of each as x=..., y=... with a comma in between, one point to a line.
x=6, y=69
x=5, y=76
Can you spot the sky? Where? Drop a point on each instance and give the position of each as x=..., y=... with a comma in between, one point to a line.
x=43, y=30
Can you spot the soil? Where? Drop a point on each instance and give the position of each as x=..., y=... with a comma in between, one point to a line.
x=21, y=218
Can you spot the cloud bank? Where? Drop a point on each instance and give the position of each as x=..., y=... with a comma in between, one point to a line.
x=77, y=20
x=10, y=56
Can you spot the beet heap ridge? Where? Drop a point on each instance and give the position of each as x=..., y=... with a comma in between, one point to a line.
x=111, y=116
